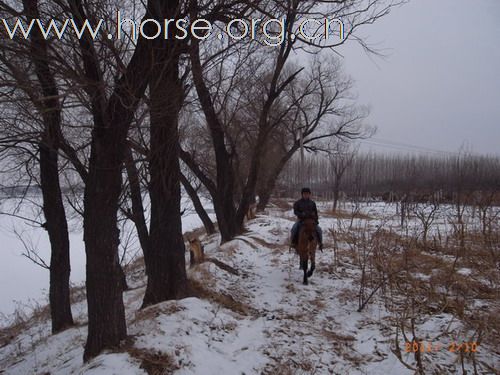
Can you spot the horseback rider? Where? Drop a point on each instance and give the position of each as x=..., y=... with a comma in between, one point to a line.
x=305, y=208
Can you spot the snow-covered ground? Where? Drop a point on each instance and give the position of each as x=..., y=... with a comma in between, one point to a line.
x=261, y=321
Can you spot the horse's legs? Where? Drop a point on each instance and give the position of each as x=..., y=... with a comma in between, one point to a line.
x=304, y=267
x=312, y=256
x=313, y=267
x=303, y=264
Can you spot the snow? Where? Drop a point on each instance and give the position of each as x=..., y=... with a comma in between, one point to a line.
x=24, y=284
x=112, y=364
x=269, y=323
x=464, y=271
x=28, y=283
x=220, y=346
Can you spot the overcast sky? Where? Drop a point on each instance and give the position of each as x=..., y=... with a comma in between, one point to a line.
x=439, y=85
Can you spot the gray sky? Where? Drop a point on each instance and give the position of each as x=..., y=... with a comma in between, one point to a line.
x=439, y=86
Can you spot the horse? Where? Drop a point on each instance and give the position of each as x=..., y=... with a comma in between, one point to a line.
x=306, y=247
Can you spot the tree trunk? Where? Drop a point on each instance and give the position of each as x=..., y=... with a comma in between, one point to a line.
x=53, y=207
x=336, y=193
x=57, y=228
x=198, y=206
x=248, y=193
x=167, y=277
x=137, y=206
x=123, y=279
x=111, y=120
x=223, y=204
x=270, y=184
x=106, y=311
x=224, y=193
x=264, y=197
x=226, y=217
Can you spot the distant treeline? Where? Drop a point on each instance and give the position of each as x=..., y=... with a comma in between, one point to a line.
x=388, y=176
x=20, y=191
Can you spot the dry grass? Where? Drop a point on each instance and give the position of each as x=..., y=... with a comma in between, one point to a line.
x=199, y=290
x=447, y=289
x=346, y=295
x=319, y=303
x=337, y=337
x=153, y=362
x=290, y=366
x=32, y=323
x=291, y=287
x=289, y=363
x=155, y=311
x=21, y=321
x=299, y=316
x=342, y=214
x=7, y=335
x=449, y=273
x=265, y=244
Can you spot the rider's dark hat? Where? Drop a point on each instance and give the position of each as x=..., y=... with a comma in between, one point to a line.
x=305, y=190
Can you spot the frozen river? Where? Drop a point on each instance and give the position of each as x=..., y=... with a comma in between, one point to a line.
x=23, y=284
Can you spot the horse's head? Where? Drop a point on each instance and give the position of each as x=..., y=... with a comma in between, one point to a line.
x=309, y=227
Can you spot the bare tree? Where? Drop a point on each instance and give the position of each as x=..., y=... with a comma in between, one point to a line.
x=426, y=214
x=192, y=191
x=323, y=115
x=231, y=205
x=112, y=110
x=342, y=158
x=41, y=93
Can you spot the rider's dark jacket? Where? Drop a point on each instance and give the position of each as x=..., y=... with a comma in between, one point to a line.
x=305, y=209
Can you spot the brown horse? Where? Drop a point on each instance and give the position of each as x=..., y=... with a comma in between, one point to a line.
x=306, y=247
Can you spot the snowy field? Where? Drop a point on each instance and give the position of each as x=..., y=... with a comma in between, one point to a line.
x=264, y=321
